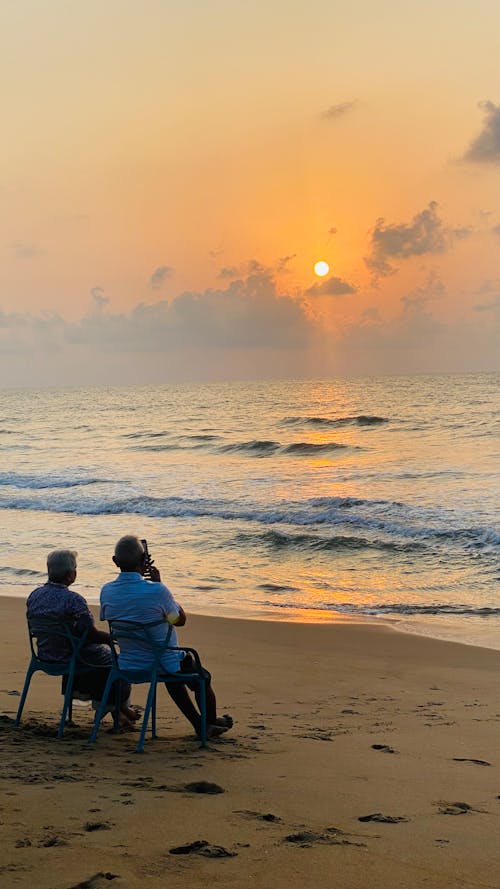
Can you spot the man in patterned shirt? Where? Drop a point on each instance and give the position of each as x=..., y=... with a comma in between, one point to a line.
x=55, y=600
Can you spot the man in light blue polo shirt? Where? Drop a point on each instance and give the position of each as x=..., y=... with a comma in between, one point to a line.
x=131, y=597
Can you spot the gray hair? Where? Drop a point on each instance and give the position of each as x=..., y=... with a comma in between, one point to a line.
x=60, y=563
x=129, y=552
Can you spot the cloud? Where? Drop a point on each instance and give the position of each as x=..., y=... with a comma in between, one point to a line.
x=492, y=306
x=461, y=233
x=247, y=314
x=246, y=329
x=333, y=286
x=24, y=249
x=421, y=296
x=339, y=110
x=159, y=276
x=97, y=294
x=424, y=234
x=416, y=341
x=284, y=262
x=252, y=267
x=485, y=148
x=332, y=231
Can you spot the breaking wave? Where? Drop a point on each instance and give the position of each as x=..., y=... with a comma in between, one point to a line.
x=359, y=420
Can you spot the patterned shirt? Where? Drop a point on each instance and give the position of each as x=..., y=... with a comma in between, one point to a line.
x=57, y=601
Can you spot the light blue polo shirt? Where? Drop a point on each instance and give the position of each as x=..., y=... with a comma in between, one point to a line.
x=131, y=597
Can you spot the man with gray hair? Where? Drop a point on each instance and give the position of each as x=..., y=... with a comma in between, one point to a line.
x=55, y=600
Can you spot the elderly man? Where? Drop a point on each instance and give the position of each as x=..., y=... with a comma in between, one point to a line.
x=131, y=597
x=55, y=600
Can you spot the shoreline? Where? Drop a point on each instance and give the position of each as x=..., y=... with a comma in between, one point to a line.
x=443, y=629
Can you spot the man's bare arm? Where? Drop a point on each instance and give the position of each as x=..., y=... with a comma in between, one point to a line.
x=181, y=620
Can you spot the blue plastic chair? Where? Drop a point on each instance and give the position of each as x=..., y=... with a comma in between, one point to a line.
x=140, y=633
x=45, y=626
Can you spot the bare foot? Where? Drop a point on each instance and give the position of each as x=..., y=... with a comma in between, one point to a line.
x=225, y=721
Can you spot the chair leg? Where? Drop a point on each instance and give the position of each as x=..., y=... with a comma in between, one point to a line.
x=27, y=681
x=145, y=718
x=101, y=708
x=67, y=705
x=153, y=715
x=203, y=713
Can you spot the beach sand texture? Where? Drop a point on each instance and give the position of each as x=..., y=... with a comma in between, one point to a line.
x=360, y=757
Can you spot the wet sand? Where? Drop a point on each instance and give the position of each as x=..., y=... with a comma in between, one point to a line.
x=361, y=758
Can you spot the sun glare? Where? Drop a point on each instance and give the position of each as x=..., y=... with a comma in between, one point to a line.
x=321, y=268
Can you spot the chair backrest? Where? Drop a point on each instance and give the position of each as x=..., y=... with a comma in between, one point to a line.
x=41, y=629
x=141, y=634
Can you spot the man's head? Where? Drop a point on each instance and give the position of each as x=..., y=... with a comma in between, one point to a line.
x=61, y=566
x=129, y=554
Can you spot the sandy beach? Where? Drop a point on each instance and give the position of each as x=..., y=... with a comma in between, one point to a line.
x=360, y=757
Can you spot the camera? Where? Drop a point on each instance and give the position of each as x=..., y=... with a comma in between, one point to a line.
x=147, y=558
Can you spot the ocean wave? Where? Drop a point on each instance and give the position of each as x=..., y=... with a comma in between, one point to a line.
x=145, y=448
x=308, y=447
x=279, y=540
x=297, y=448
x=359, y=420
x=21, y=572
x=393, y=525
x=202, y=436
x=253, y=447
x=145, y=434
x=402, y=608
x=37, y=482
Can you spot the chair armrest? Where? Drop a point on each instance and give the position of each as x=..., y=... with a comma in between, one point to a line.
x=192, y=651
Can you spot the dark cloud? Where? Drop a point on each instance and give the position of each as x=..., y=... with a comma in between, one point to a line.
x=159, y=276
x=485, y=148
x=336, y=111
x=284, y=262
x=424, y=234
x=333, y=286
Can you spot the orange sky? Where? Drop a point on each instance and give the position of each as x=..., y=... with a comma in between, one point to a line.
x=190, y=137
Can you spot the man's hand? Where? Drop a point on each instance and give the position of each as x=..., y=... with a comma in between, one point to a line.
x=154, y=574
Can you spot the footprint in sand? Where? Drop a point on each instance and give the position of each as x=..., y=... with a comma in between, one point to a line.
x=384, y=748
x=457, y=809
x=204, y=848
x=384, y=819
x=477, y=762
x=95, y=882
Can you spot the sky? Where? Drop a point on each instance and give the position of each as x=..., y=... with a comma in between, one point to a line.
x=171, y=170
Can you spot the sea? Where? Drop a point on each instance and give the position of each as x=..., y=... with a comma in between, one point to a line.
x=371, y=499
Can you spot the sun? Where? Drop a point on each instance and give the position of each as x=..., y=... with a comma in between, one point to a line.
x=321, y=268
